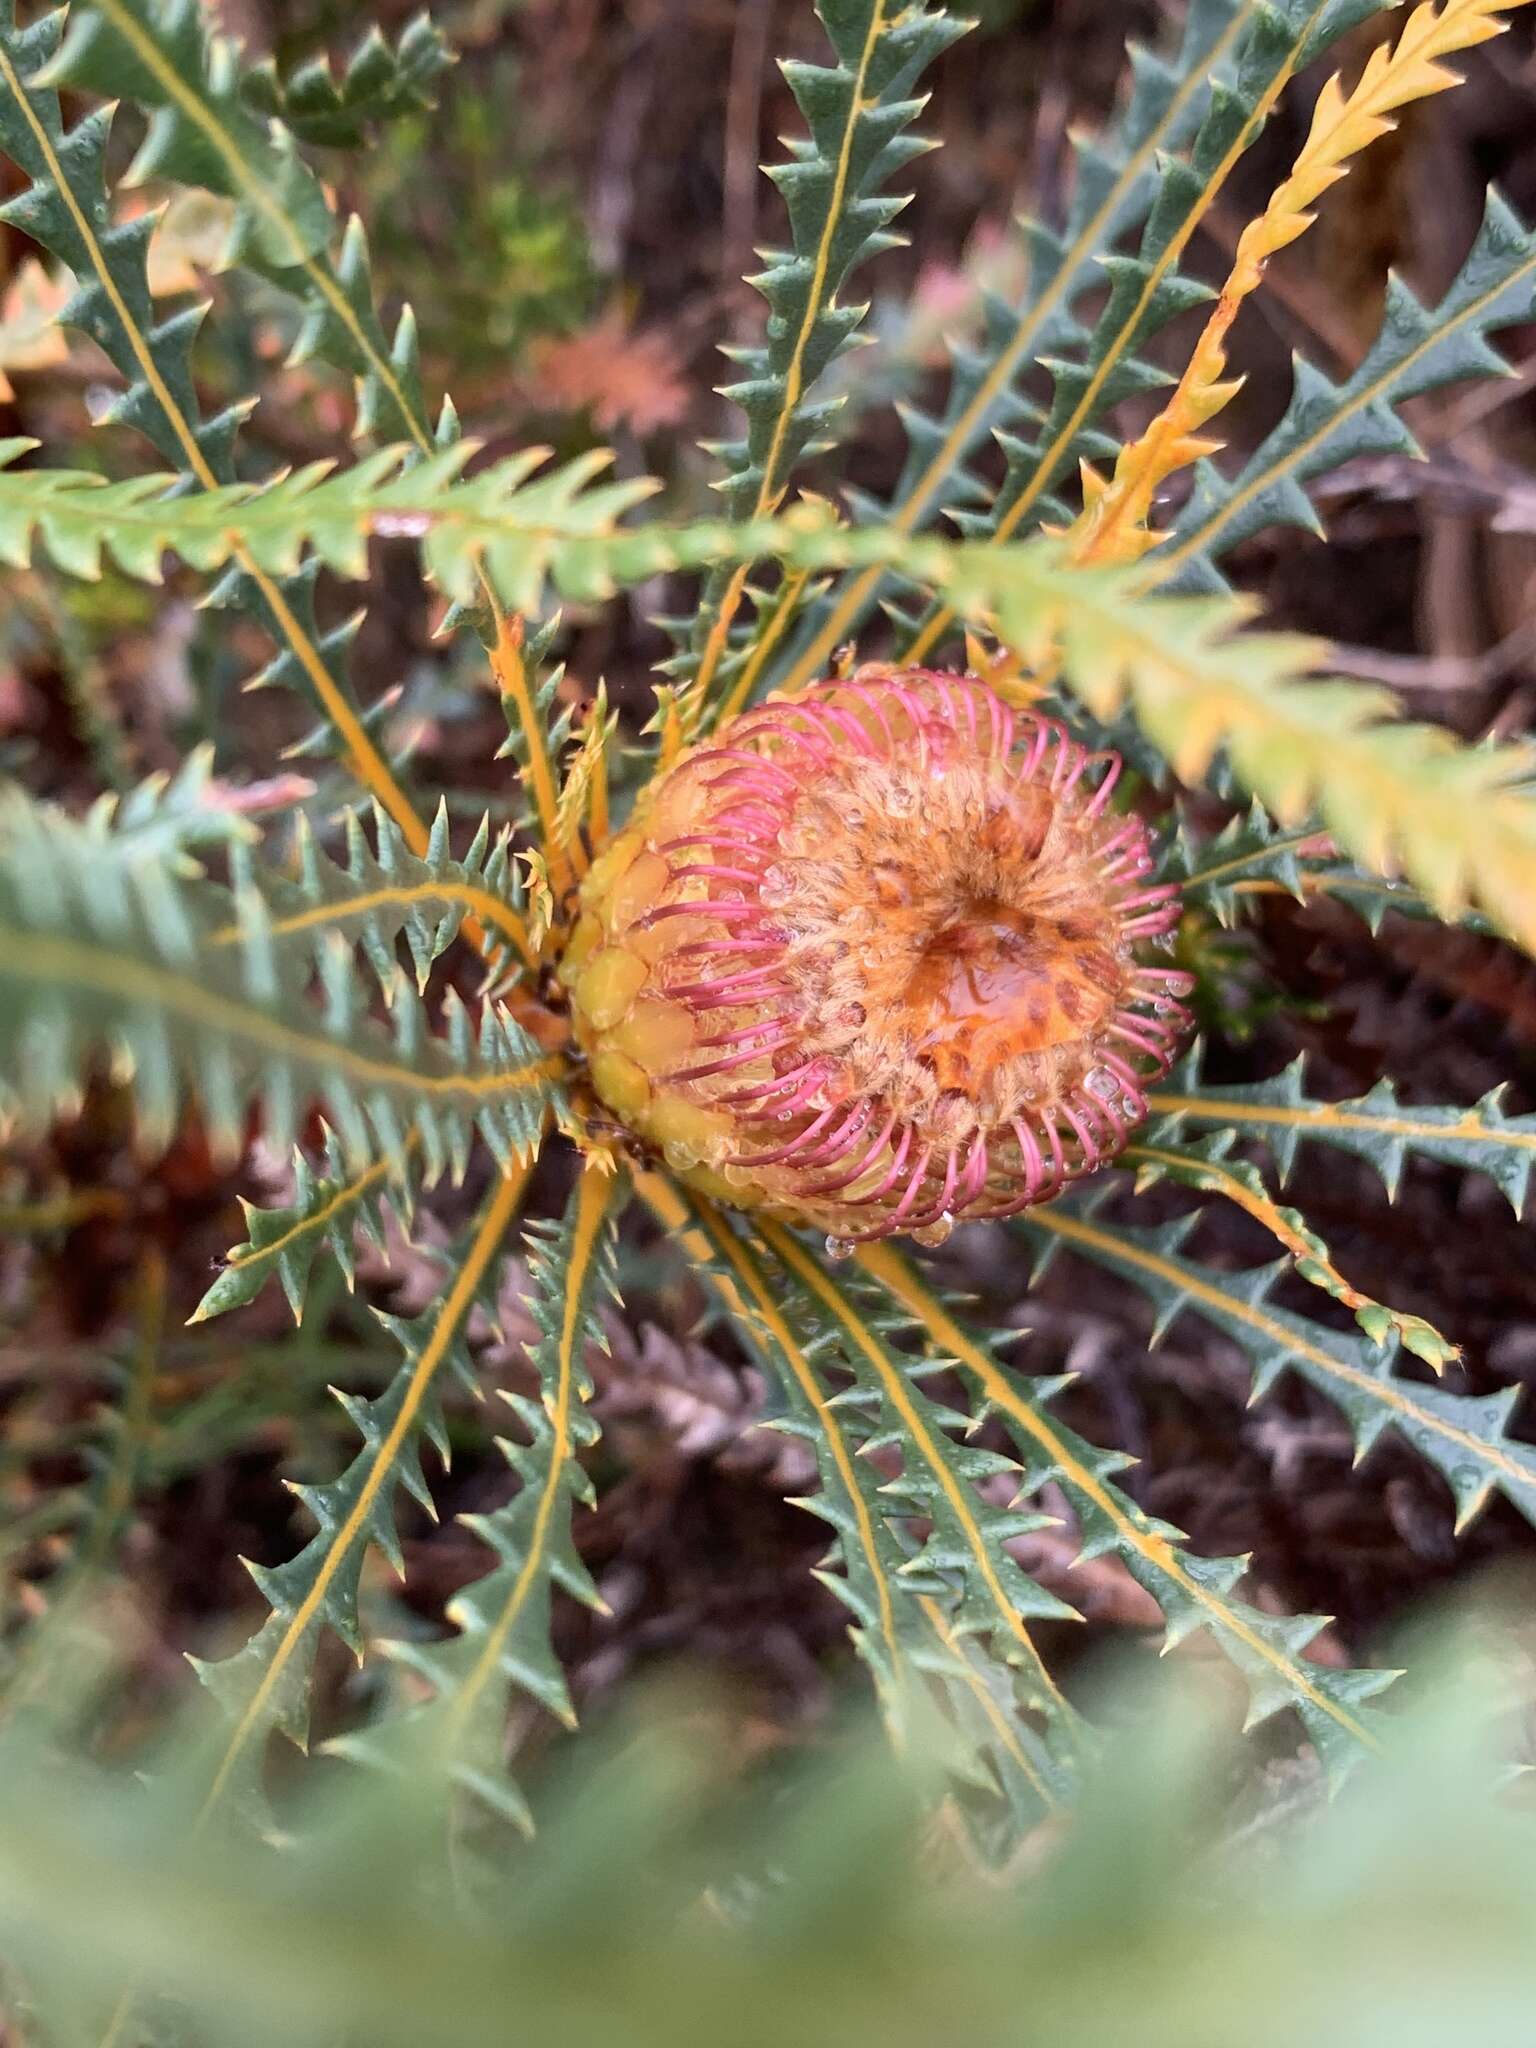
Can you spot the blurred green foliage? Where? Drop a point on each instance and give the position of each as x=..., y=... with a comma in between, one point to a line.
x=484, y=243
x=668, y=1898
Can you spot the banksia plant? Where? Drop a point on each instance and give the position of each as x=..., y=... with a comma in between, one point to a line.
x=838, y=955
x=871, y=958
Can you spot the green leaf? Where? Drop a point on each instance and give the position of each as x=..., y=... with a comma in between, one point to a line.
x=939, y=1477
x=1403, y=1910
x=64, y=208
x=1462, y=1436
x=523, y=529
x=166, y=816
x=1117, y=181
x=1375, y=1127
x=503, y=1619
x=1193, y=1592
x=858, y=112
x=904, y=1618
x=864, y=1564
x=192, y=81
x=381, y=81
x=1210, y=869
x=387, y=894
x=160, y=53
x=163, y=54
x=983, y=1696
x=1227, y=872
x=328, y=1212
x=100, y=957
x=1207, y=1164
x=265, y=1685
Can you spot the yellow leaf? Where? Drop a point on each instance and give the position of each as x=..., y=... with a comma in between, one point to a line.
x=1113, y=523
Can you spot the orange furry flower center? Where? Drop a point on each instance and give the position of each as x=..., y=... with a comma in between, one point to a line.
x=870, y=959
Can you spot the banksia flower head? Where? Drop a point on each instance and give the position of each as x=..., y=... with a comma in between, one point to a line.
x=869, y=958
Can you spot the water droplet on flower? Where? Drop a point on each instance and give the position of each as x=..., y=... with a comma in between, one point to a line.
x=839, y=1248
x=1101, y=1082
x=935, y=1233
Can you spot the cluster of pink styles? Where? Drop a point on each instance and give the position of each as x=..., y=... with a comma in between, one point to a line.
x=874, y=958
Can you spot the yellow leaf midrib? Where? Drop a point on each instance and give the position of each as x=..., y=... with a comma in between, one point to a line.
x=770, y=490
x=1392, y=1394
x=1165, y=561
x=1321, y=1117
x=490, y=909
x=595, y=1194
x=1163, y=265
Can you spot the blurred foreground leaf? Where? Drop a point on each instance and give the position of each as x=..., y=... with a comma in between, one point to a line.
x=662, y=1903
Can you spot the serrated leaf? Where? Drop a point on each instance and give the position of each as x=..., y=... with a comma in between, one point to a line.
x=503, y=1618
x=1115, y=520
x=1375, y=1127
x=328, y=1212
x=857, y=113
x=380, y=81
x=64, y=208
x=1149, y=289
x=1116, y=185
x=1193, y=1592
x=1206, y=1164
x=264, y=1687
x=1326, y=424
x=1212, y=869
x=904, y=1620
x=865, y=1548
x=1403, y=1910
x=159, y=52
x=938, y=1482
x=1461, y=1436
x=120, y=958
x=385, y=893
